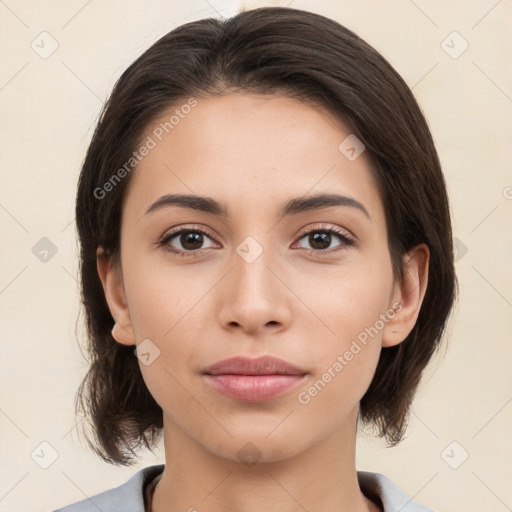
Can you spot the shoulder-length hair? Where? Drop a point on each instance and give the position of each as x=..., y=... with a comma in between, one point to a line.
x=307, y=57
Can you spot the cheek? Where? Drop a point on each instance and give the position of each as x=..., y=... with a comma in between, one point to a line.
x=347, y=300
x=352, y=312
x=168, y=306
x=163, y=298
x=346, y=355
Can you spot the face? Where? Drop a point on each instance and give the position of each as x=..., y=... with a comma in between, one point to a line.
x=275, y=274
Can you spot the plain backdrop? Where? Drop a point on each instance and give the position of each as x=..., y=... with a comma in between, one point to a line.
x=455, y=56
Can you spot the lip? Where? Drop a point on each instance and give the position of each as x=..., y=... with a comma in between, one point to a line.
x=253, y=380
x=264, y=365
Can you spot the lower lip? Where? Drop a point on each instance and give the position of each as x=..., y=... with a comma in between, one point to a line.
x=253, y=388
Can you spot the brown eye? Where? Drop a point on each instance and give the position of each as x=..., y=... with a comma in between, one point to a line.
x=189, y=241
x=320, y=240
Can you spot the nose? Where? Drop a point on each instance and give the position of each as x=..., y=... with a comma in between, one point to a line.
x=255, y=297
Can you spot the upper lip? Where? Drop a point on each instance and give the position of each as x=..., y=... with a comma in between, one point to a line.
x=265, y=365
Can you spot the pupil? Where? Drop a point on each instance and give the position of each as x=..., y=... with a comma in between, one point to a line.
x=323, y=238
x=195, y=239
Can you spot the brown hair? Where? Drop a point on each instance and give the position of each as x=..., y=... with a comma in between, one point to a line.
x=307, y=57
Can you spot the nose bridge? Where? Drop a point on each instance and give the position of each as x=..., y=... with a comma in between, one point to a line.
x=251, y=263
x=256, y=296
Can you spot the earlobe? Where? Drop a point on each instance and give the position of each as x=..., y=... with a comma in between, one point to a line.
x=122, y=335
x=111, y=279
x=409, y=294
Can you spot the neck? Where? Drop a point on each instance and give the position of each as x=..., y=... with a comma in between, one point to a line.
x=321, y=477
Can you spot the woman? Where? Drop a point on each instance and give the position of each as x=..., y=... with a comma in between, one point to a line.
x=264, y=223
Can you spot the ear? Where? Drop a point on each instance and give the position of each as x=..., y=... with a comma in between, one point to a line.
x=111, y=278
x=408, y=296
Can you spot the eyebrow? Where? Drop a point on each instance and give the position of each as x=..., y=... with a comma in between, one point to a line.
x=293, y=206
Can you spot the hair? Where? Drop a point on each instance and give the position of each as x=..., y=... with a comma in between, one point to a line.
x=304, y=56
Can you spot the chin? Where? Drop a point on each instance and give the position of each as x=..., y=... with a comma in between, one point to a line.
x=256, y=447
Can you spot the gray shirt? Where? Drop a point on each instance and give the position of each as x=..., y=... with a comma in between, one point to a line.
x=129, y=497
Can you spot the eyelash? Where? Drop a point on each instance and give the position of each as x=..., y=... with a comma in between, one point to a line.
x=346, y=241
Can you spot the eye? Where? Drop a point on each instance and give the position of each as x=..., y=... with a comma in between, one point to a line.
x=189, y=241
x=320, y=240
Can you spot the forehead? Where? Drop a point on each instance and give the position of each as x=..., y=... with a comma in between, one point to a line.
x=251, y=150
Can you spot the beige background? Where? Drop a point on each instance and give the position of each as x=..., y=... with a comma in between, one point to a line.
x=49, y=108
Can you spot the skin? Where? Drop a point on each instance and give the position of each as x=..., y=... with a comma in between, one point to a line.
x=254, y=153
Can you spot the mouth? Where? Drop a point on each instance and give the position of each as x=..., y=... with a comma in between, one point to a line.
x=253, y=380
